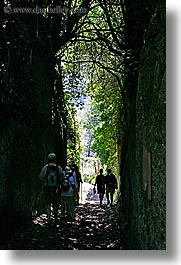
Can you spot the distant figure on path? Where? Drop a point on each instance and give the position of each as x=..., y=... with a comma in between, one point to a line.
x=50, y=176
x=111, y=185
x=100, y=182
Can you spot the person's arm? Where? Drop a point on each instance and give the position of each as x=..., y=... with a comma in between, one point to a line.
x=43, y=173
x=116, y=184
x=95, y=182
x=60, y=170
x=72, y=182
x=105, y=180
x=80, y=177
x=75, y=179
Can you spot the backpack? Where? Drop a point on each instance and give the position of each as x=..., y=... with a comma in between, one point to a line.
x=66, y=182
x=52, y=177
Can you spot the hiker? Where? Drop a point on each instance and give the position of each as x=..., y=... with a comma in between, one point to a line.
x=78, y=180
x=100, y=182
x=50, y=176
x=67, y=200
x=111, y=185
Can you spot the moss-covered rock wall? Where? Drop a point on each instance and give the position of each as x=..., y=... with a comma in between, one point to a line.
x=145, y=163
x=151, y=139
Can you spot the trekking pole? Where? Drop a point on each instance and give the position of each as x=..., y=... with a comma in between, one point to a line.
x=81, y=192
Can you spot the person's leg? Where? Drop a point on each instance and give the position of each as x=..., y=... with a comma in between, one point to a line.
x=107, y=195
x=100, y=198
x=77, y=199
x=111, y=195
x=63, y=204
x=41, y=204
x=48, y=206
x=78, y=191
x=55, y=206
x=48, y=210
x=70, y=206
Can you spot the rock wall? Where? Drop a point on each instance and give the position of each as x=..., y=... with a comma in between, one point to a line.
x=143, y=184
x=148, y=185
x=25, y=141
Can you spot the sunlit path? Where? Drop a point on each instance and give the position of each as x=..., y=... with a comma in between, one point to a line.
x=87, y=194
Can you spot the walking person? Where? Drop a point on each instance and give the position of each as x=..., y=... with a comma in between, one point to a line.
x=77, y=177
x=100, y=182
x=50, y=177
x=67, y=200
x=111, y=185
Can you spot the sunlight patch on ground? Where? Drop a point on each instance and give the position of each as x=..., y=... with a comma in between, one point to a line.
x=87, y=195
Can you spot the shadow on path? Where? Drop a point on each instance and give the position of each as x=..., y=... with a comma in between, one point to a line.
x=95, y=227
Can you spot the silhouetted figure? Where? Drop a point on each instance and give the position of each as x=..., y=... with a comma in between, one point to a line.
x=77, y=177
x=50, y=177
x=100, y=182
x=111, y=185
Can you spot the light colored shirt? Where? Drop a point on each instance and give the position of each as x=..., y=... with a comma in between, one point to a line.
x=70, y=191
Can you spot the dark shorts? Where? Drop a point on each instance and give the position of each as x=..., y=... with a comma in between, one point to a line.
x=51, y=197
x=100, y=190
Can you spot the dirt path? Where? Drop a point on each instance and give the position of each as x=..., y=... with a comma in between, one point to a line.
x=95, y=227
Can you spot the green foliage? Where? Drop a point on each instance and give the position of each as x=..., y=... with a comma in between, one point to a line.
x=110, y=121
x=73, y=139
x=90, y=59
x=89, y=179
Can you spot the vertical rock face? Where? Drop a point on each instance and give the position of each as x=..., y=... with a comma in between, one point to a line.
x=147, y=189
x=151, y=137
x=25, y=132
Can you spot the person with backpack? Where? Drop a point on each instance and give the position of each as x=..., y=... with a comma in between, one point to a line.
x=67, y=199
x=100, y=182
x=50, y=176
x=111, y=185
